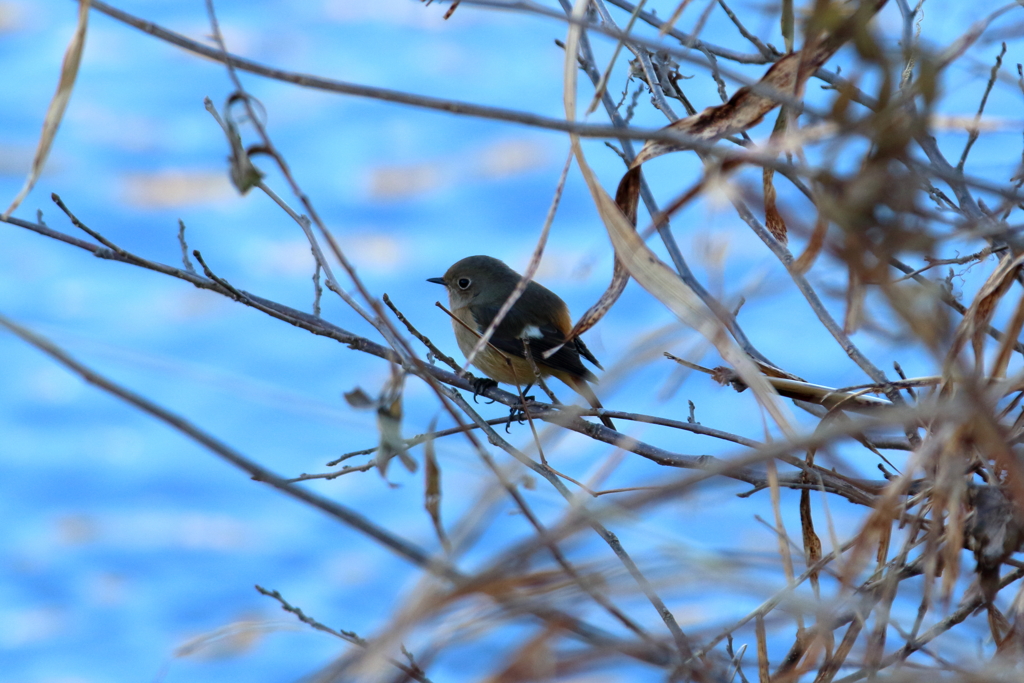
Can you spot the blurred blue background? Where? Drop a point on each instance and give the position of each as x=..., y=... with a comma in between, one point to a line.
x=121, y=541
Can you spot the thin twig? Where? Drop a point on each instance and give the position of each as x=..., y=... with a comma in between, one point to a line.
x=436, y=352
x=184, y=247
x=555, y=415
x=86, y=229
x=975, y=132
x=412, y=671
x=342, y=513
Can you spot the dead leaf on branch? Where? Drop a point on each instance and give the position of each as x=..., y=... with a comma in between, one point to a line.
x=772, y=218
x=782, y=82
x=644, y=265
x=432, y=486
x=58, y=105
x=243, y=173
x=389, y=420
x=748, y=105
x=974, y=325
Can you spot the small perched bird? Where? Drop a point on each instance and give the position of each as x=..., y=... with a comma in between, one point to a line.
x=478, y=286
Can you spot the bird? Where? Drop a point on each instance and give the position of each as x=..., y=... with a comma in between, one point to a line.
x=539, y=320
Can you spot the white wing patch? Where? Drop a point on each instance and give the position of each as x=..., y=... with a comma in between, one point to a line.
x=532, y=332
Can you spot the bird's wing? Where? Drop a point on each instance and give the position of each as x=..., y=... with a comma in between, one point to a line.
x=515, y=327
x=585, y=352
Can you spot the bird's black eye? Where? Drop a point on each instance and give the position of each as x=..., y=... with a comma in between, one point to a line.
x=464, y=283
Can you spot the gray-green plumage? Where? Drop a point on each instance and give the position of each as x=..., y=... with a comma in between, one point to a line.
x=478, y=287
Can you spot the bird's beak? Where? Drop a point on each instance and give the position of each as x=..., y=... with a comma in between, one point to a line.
x=436, y=280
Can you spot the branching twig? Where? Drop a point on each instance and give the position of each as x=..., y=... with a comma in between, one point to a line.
x=412, y=671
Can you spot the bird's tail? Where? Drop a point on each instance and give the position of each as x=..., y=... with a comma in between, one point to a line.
x=580, y=386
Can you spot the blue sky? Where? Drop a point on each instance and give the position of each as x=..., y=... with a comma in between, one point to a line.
x=121, y=540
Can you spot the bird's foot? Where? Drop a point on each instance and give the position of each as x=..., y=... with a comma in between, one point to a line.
x=518, y=412
x=480, y=385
